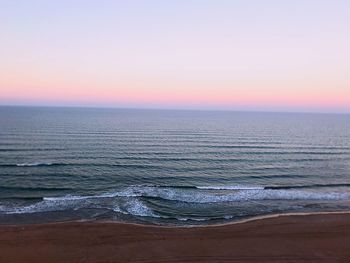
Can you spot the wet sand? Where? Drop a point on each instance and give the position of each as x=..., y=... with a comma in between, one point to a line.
x=292, y=238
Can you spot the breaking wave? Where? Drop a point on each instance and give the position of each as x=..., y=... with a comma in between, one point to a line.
x=233, y=187
x=214, y=194
x=137, y=200
x=35, y=164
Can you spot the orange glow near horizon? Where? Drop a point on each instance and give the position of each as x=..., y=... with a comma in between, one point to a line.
x=183, y=96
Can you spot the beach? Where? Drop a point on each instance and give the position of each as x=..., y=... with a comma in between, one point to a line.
x=174, y=131
x=284, y=238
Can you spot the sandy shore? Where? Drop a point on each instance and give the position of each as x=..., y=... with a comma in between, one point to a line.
x=293, y=238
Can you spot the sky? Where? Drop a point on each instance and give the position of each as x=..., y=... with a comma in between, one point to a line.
x=233, y=55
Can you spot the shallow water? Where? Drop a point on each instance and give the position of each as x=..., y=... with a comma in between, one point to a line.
x=169, y=167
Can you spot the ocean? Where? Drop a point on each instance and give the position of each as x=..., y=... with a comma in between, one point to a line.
x=169, y=167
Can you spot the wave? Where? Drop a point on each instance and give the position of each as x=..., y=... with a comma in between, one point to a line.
x=244, y=187
x=308, y=186
x=137, y=200
x=205, y=195
x=43, y=206
x=133, y=207
x=232, y=187
x=36, y=164
x=41, y=189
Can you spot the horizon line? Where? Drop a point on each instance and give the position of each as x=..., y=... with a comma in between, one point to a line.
x=175, y=109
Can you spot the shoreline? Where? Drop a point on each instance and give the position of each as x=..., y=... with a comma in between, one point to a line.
x=242, y=221
x=295, y=237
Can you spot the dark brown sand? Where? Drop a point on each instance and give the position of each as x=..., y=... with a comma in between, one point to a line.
x=293, y=238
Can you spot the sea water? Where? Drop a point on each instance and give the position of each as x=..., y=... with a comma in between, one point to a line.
x=169, y=167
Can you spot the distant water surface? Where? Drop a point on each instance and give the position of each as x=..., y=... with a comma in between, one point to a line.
x=169, y=167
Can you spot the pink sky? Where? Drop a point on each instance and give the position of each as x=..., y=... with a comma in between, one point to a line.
x=200, y=54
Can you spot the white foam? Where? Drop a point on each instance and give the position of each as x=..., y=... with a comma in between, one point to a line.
x=138, y=208
x=191, y=219
x=231, y=187
x=134, y=207
x=33, y=164
x=69, y=198
x=198, y=196
x=131, y=206
x=44, y=206
x=127, y=200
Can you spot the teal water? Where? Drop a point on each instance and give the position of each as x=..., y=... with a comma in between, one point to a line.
x=169, y=167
